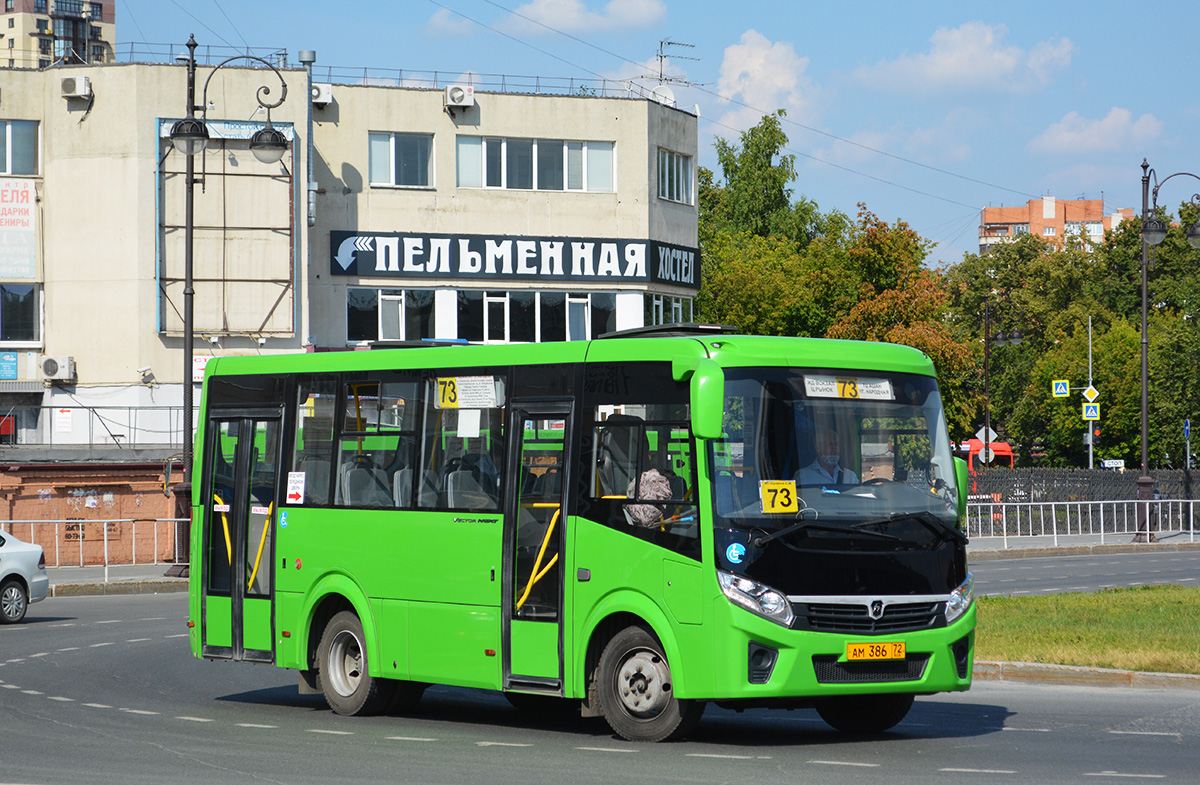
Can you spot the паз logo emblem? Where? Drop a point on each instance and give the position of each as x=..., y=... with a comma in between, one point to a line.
x=875, y=610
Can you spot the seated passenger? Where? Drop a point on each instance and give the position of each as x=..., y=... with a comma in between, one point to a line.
x=826, y=469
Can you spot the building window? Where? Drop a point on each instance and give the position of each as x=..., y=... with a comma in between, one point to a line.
x=94, y=32
x=534, y=164
x=18, y=147
x=1095, y=229
x=97, y=11
x=1048, y=231
x=667, y=310
x=674, y=177
x=69, y=7
x=401, y=159
x=97, y=54
x=1020, y=229
x=8, y=6
x=389, y=314
x=529, y=317
x=39, y=6
x=20, y=313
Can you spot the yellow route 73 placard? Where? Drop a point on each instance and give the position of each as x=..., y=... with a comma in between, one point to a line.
x=779, y=496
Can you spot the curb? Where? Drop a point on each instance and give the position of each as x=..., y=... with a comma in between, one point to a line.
x=1077, y=676
x=118, y=587
x=1080, y=550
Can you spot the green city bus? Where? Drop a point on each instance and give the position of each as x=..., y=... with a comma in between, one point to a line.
x=628, y=523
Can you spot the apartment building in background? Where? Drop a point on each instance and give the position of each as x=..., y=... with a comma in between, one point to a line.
x=1052, y=219
x=45, y=33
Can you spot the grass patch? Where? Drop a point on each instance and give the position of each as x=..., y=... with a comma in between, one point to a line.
x=1145, y=628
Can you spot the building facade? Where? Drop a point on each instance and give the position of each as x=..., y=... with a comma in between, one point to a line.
x=43, y=33
x=1052, y=219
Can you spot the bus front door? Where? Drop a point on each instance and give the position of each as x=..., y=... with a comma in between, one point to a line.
x=241, y=463
x=535, y=521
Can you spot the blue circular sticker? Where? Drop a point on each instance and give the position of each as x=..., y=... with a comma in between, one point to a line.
x=735, y=553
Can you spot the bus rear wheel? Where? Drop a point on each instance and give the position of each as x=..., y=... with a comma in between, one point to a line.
x=865, y=713
x=342, y=671
x=636, y=692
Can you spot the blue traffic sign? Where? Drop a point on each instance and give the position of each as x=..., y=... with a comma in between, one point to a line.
x=1091, y=411
x=1061, y=388
x=1187, y=429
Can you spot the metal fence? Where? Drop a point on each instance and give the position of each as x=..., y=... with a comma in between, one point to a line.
x=106, y=541
x=1051, y=520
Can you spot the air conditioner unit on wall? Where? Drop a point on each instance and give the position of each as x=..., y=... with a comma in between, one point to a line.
x=76, y=87
x=58, y=368
x=322, y=94
x=459, y=95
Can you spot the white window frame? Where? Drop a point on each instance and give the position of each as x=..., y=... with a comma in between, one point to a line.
x=40, y=319
x=537, y=143
x=1048, y=231
x=431, y=175
x=674, y=183
x=7, y=171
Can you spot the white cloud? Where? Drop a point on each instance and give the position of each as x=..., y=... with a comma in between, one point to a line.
x=445, y=23
x=574, y=16
x=1116, y=130
x=971, y=56
x=765, y=76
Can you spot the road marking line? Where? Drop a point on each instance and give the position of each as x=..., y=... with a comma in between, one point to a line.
x=194, y=719
x=178, y=635
x=331, y=732
x=10, y=686
x=154, y=618
x=1029, y=730
x=98, y=645
x=1185, y=580
x=499, y=744
x=1120, y=774
x=109, y=621
x=603, y=749
x=139, y=711
x=978, y=771
x=254, y=725
x=68, y=624
x=17, y=659
x=70, y=648
x=98, y=705
x=1143, y=733
x=39, y=654
x=61, y=699
x=408, y=738
x=32, y=692
x=714, y=755
x=136, y=640
x=845, y=763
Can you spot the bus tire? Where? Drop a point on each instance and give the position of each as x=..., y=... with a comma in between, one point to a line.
x=635, y=690
x=865, y=713
x=342, y=672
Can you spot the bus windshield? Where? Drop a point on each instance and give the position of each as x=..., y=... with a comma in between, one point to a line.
x=838, y=454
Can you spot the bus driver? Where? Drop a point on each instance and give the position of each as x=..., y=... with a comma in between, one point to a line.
x=826, y=468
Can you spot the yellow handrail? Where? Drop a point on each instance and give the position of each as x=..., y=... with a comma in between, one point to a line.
x=225, y=524
x=535, y=575
x=261, y=544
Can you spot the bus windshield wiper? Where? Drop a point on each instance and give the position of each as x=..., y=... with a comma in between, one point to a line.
x=856, y=528
x=926, y=518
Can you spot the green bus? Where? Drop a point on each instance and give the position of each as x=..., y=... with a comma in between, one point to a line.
x=630, y=523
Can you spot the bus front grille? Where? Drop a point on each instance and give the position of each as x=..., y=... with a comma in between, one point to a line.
x=829, y=671
x=855, y=617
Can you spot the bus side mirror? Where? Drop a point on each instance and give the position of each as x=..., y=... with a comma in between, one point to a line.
x=708, y=400
x=961, y=479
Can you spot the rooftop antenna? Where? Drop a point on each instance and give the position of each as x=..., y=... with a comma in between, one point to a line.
x=662, y=57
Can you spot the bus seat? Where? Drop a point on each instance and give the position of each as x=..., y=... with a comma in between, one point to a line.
x=678, y=486
x=402, y=488
x=366, y=487
x=316, y=482
x=464, y=490
x=549, y=484
x=622, y=443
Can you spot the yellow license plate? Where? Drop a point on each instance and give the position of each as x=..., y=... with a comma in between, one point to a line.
x=884, y=650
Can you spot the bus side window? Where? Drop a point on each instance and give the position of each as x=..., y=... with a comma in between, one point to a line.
x=462, y=449
x=313, y=451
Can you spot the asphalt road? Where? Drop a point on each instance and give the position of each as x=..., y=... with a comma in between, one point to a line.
x=103, y=690
x=1054, y=574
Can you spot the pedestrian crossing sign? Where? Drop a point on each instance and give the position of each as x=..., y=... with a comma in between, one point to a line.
x=1091, y=411
x=1062, y=388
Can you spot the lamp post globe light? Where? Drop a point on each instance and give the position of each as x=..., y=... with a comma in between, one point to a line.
x=1154, y=232
x=190, y=136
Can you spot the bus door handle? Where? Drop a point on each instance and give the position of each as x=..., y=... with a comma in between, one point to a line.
x=583, y=575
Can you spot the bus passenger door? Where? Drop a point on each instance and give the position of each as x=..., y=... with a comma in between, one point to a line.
x=241, y=469
x=534, y=523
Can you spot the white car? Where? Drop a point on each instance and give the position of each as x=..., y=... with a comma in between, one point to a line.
x=23, y=577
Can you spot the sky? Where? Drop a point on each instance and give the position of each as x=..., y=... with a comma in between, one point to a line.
x=926, y=112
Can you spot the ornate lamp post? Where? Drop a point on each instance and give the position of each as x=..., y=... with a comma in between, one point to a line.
x=1154, y=231
x=190, y=136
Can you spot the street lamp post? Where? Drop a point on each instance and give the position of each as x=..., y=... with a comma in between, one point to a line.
x=999, y=339
x=1154, y=231
x=190, y=136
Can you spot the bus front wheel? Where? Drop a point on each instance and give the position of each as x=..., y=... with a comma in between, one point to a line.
x=342, y=672
x=636, y=692
x=865, y=713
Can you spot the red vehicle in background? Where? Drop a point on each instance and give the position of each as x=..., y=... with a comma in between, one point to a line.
x=1002, y=454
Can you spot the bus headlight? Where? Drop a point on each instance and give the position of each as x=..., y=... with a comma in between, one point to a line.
x=960, y=599
x=756, y=597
